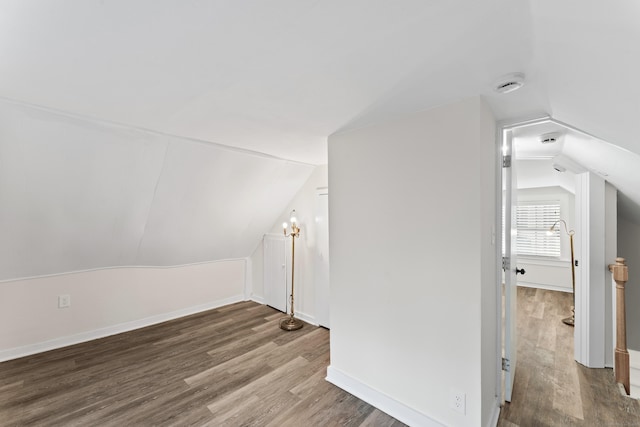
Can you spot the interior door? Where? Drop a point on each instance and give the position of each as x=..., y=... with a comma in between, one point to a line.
x=275, y=274
x=322, y=258
x=510, y=257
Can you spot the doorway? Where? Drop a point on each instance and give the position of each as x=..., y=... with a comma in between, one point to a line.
x=548, y=160
x=538, y=196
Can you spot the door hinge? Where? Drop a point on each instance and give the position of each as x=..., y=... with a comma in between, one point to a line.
x=506, y=365
x=506, y=161
x=505, y=263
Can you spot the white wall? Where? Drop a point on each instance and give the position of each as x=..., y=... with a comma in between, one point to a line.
x=80, y=194
x=305, y=204
x=591, y=284
x=412, y=211
x=109, y=301
x=629, y=248
x=541, y=272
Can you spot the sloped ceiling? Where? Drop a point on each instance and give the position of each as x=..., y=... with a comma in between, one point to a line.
x=278, y=77
x=578, y=152
x=78, y=195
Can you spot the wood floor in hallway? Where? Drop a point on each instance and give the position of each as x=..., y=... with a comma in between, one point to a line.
x=551, y=389
x=227, y=367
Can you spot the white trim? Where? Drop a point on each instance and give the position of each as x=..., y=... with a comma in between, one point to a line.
x=634, y=374
x=523, y=122
x=497, y=238
x=17, y=352
x=248, y=279
x=544, y=286
x=589, y=334
x=561, y=263
x=307, y=318
x=258, y=299
x=582, y=240
x=107, y=123
x=398, y=410
x=634, y=360
x=115, y=267
x=495, y=415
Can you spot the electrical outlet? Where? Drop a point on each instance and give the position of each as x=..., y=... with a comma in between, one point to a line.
x=64, y=301
x=459, y=402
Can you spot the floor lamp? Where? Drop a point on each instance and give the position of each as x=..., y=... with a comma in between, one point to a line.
x=290, y=323
x=571, y=321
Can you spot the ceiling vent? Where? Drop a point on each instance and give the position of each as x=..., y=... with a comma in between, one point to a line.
x=509, y=83
x=562, y=163
x=550, y=138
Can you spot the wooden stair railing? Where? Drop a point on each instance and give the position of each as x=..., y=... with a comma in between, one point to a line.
x=621, y=276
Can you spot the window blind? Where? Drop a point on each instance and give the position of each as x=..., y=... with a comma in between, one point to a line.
x=533, y=221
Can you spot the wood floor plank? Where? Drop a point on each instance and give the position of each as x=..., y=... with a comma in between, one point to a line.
x=550, y=388
x=232, y=366
x=237, y=360
x=268, y=388
x=245, y=370
x=377, y=418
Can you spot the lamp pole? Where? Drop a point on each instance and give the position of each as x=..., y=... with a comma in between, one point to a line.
x=290, y=323
x=571, y=321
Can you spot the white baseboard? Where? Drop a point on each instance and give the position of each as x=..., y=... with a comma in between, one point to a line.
x=386, y=404
x=307, y=318
x=544, y=286
x=634, y=373
x=17, y=352
x=493, y=421
x=634, y=359
x=258, y=299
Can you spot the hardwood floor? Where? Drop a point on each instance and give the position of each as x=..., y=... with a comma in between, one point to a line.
x=551, y=389
x=227, y=367
x=234, y=367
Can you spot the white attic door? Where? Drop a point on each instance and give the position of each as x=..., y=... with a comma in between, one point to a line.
x=275, y=272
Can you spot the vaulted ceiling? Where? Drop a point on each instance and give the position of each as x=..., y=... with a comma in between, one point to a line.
x=280, y=76
x=152, y=80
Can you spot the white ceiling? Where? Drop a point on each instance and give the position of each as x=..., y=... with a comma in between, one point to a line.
x=580, y=152
x=278, y=77
x=527, y=141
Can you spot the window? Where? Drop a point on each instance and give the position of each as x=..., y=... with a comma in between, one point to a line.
x=533, y=220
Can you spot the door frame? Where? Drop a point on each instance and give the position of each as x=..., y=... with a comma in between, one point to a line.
x=589, y=341
x=272, y=290
x=322, y=305
x=501, y=130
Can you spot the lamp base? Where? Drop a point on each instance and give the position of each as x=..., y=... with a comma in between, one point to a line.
x=291, y=324
x=569, y=321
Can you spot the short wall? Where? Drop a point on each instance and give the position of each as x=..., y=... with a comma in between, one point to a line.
x=553, y=275
x=109, y=301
